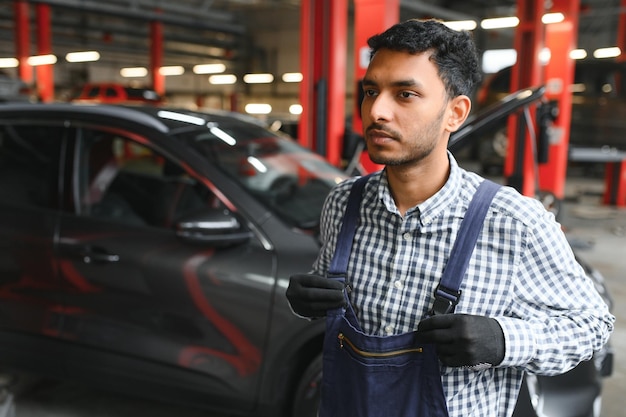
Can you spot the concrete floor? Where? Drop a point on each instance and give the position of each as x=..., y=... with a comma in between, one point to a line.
x=597, y=232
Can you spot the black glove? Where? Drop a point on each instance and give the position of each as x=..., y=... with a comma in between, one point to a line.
x=464, y=340
x=312, y=295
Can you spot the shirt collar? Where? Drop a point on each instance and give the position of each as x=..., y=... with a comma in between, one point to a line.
x=430, y=209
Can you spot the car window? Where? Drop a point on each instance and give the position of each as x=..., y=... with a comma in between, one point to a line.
x=29, y=164
x=93, y=91
x=288, y=179
x=128, y=182
x=110, y=92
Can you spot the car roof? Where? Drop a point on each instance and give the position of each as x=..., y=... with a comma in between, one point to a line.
x=161, y=118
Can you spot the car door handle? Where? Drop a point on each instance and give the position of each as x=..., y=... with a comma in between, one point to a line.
x=90, y=254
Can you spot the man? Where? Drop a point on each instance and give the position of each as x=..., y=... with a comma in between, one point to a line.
x=525, y=304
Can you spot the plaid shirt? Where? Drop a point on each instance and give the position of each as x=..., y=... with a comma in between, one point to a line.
x=522, y=273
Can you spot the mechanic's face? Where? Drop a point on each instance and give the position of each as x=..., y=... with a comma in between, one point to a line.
x=406, y=112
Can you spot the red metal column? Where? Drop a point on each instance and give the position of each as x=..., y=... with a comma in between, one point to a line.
x=519, y=165
x=305, y=126
x=370, y=17
x=561, y=39
x=45, y=73
x=22, y=40
x=323, y=47
x=336, y=75
x=615, y=180
x=156, y=56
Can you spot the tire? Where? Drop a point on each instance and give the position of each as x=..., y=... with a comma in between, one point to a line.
x=307, y=394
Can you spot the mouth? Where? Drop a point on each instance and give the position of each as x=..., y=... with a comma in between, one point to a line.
x=379, y=137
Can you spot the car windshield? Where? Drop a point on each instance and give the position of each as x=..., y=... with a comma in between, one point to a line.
x=288, y=179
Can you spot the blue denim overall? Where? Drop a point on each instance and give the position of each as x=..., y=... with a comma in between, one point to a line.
x=390, y=376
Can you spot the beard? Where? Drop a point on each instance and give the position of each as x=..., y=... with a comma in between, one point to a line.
x=417, y=149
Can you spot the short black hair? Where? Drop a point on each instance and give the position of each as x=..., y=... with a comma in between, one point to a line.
x=454, y=52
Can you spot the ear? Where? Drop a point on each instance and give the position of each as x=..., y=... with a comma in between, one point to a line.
x=458, y=110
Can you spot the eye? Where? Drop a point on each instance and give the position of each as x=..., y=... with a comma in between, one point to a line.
x=407, y=94
x=370, y=93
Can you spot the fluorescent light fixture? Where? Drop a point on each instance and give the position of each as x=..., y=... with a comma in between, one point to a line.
x=164, y=114
x=295, y=109
x=611, y=52
x=258, y=108
x=496, y=59
x=84, y=56
x=9, y=62
x=461, y=25
x=544, y=56
x=548, y=18
x=578, y=54
x=134, y=72
x=258, y=78
x=292, y=77
x=499, y=23
x=36, y=60
x=223, y=79
x=172, y=70
x=209, y=68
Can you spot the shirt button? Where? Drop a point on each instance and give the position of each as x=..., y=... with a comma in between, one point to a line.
x=406, y=236
x=389, y=329
x=398, y=285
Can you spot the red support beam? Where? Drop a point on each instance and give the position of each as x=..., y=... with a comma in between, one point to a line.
x=323, y=48
x=370, y=17
x=22, y=39
x=45, y=73
x=561, y=39
x=156, y=56
x=336, y=75
x=519, y=165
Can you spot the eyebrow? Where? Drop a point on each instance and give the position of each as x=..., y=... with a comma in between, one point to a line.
x=399, y=83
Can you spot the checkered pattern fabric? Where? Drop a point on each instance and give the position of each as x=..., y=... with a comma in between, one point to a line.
x=522, y=273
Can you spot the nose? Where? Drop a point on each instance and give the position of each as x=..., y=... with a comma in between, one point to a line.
x=377, y=108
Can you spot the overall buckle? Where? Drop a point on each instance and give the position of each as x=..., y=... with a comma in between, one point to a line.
x=445, y=301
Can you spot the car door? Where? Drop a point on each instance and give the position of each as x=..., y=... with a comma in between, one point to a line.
x=141, y=295
x=30, y=154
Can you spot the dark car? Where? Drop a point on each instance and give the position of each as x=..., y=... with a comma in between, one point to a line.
x=147, y=250
x=598, y=109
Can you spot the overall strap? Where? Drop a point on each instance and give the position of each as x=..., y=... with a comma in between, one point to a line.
x=339, y=263
x=447, y=293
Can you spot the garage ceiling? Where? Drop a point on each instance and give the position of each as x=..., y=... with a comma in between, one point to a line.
x=209, y=30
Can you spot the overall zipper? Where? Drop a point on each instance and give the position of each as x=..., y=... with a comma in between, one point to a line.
x=343, y=339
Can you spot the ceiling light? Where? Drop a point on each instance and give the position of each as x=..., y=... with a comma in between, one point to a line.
x=209, y=68
x=548, y=18
x=295, y=109
x=258, y=108
x=9, y=62
x=496, y=59
x=578, y=54
x=134, y=72
x=258, y=78
x=292, y=77
x=499, y=23
x=172, y=70
x=42, y=60
x=607, y=52
x=461, y=25
x=223, y=79
x=84, y=56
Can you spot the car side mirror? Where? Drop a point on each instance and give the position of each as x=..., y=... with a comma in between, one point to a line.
x=213, y=227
